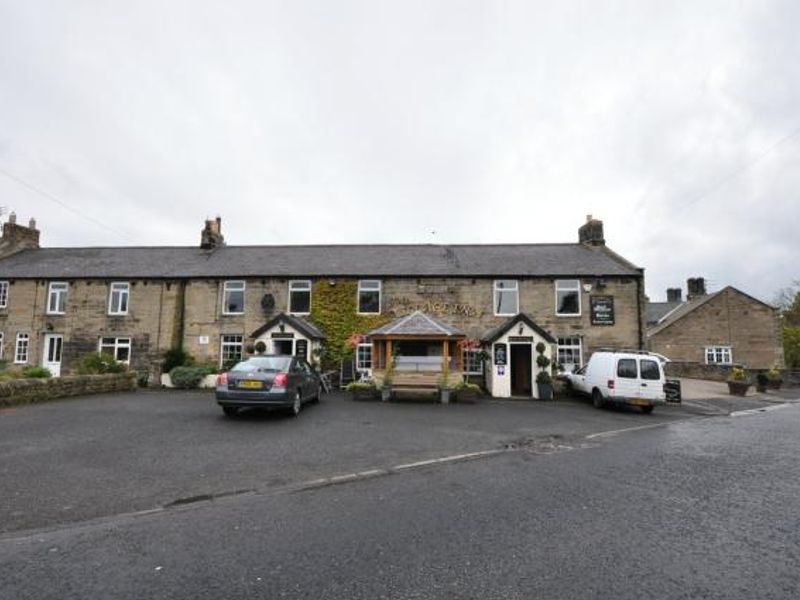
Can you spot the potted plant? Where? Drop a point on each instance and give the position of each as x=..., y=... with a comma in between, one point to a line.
x=386, y=385
x=444, y=383
x=738, y=383
x=467, y=392
x=260, y=347
x=544, y=381
x=362, y=390
x=774, y=380
x=762, y=381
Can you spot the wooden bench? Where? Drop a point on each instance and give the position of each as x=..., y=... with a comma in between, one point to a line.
x=415, y=383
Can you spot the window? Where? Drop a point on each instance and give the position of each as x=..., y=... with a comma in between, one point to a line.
x=473, y=361
x=369, y=296
x=649, y=369
x=570, y=353
x=506, y=297
x=364, y=357
x=300, y=297
x=233, y=298
x=568, y=298
x=118, y=298
x=57, y=298
x=21, y=349
x=3, y=294
x=230, y=348
x=626, y=367
x=119, y=348
x=719, y=355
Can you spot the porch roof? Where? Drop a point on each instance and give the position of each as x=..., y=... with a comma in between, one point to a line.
x=494, y=334
x=305, y=327
x=416, y=324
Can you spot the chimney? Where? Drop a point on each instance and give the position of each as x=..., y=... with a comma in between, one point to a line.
x=674, y=295
x=211, y=236
x=16, y=238
x=591, y=232
x=695, y=287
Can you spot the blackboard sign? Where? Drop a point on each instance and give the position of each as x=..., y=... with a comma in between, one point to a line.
x=301, y=349
x=602, y=310
x=500, y=354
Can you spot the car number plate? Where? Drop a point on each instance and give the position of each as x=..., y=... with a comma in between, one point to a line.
x=638, y=402
x=250, y=384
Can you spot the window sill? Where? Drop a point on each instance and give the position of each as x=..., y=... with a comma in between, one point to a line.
x=51, y=314
x=230, y=314
x=562, y=315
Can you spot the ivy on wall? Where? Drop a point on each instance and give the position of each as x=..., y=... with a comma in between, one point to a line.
x=334, y=310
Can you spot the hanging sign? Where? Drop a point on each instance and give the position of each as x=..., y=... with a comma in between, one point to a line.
x=500, y=355
x=301, y=349
x=602, y=310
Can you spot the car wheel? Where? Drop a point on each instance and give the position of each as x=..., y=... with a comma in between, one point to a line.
x=230, y=411
x=297, y=405
x=597, y=399
x=647, y=409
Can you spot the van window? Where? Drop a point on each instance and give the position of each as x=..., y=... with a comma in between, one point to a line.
x=626, y=367
x=650, y=370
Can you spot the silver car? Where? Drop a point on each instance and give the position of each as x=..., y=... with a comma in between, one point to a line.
x=271, y=381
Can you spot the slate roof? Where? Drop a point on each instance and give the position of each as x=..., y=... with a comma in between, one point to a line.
x=655, y=311
x=417, y=323
x=496, y=333
x=302, y=325
x=420, y=260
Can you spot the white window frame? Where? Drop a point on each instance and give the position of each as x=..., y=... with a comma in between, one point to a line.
x=299, y=285
x=22, y=348
x=495, y=296
x=467, y=362
x=359, y=364
x=119, y=342
x=718, y=351
x=570, y=346
x=2, y=344
x=561, y=286
x=230, y=340
x=123, y=290
x=59, y=291
x=362, y=283
x=3, y=294
x=234, y=285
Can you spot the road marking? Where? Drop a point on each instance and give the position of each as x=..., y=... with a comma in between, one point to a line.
x=755, y=411
x=603, y=434
x=447, y=459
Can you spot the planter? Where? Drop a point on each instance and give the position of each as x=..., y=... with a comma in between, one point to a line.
x=444, y=396
x=738, y=388
x=463, y=397
x=386, y=394
x=545, y=391
x=362, y=394
x=774, y=384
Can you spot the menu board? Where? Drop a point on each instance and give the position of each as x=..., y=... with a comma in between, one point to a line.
x=500, y=354
x=602, y=310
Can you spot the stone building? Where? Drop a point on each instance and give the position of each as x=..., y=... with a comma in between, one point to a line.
x=715, y=330
x=216, y=300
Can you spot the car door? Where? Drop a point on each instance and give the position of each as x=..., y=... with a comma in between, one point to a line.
x=651, y=385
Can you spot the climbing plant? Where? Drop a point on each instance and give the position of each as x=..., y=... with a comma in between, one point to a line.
x=334, y=311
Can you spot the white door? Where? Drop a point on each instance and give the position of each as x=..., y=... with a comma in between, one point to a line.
x=51, y=359
x=651, y=384
x=627, y=379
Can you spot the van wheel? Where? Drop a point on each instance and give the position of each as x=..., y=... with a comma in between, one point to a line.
x=647, y=409
x=597, y=399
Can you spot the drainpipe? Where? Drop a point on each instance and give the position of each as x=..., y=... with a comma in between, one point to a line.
x=639, y=316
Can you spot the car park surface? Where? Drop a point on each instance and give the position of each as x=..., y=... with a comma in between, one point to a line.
x=95, y=456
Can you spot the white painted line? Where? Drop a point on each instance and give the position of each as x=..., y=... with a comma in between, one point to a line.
x=371, y=473
x=755, y=411
x=637, y=428
x=446, y=459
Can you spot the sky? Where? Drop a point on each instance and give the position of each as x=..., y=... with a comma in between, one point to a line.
x=297, y=122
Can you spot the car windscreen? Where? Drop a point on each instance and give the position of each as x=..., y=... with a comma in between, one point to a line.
x=264, y=363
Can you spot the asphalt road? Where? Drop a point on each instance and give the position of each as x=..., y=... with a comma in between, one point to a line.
x=703, y=508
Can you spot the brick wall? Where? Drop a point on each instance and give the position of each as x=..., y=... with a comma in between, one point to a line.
x=27, y=391
x=731, y=318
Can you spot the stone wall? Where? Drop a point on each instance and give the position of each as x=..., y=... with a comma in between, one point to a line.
x=694, y=370
x=731, y=318
x=27, y=391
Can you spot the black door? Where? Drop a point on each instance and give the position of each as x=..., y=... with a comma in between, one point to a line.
x=521, y=370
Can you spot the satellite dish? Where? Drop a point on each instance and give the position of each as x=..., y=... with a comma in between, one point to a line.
x=267, y=302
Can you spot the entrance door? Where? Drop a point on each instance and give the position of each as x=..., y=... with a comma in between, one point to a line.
x=521, y=370
x=283, y=347
x=51, y=358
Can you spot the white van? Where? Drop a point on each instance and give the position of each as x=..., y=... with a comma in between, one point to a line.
x=633, y=377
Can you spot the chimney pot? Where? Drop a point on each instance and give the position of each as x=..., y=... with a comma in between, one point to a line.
x=32, y=224
x=12, y=218
x=211, y=236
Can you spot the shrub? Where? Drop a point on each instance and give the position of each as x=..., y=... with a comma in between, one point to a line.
x=542, y=361
x=261, y=347
x=355, y=386
x=3, y=366
x=738, y=374
x=466, y=386
x=544, y=378
x=96, y=363
x=187, y=377
x=36, y=373
x=176, y=357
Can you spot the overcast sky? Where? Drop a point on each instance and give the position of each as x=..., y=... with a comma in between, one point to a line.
x=677, y=123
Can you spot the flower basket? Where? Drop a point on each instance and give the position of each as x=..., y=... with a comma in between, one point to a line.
x=738, y=388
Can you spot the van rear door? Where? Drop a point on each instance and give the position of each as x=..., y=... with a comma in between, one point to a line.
x=652, y=379
x=627, y=381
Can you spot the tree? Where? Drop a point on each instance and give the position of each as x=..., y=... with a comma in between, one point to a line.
x=788, y=303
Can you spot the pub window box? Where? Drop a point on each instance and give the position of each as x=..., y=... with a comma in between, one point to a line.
x=568, y=298
x=300, y=297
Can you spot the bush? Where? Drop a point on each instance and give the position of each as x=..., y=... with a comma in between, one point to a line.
x=176, y=357
x=738, y=374
x=544, y=378
x=466, y=386
x=96, y=363
x=187, y=377
x=36, y=373
x=260, y=347
x=355, y=386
